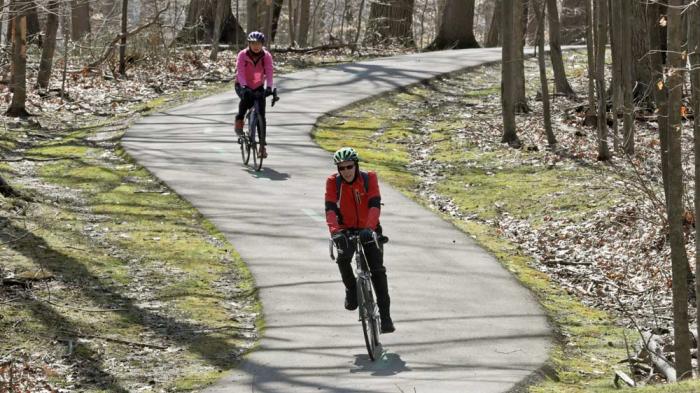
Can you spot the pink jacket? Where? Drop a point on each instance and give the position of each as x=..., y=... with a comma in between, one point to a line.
x=250, y=73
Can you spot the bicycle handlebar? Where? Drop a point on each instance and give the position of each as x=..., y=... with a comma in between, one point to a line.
x=353, y=235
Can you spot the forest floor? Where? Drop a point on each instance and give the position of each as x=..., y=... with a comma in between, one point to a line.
x=586, y=236
x=99, y=261
x=109, y=281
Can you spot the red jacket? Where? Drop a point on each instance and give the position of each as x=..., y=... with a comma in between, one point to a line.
x=354, y=207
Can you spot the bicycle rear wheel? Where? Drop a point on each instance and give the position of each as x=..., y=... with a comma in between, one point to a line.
x=369, y=315
x=245, y=149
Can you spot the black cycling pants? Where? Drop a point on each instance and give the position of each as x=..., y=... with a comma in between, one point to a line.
x=247, y=100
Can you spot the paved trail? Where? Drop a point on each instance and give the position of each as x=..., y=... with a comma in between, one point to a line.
x=463, y=323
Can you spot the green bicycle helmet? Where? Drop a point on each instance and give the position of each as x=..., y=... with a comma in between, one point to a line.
x=345, y=154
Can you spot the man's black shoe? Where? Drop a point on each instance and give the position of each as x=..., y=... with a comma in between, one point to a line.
x=350, y=300
x=387, y=325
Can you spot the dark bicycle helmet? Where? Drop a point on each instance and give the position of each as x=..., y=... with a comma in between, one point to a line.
x=345, y=154
x=256, y=36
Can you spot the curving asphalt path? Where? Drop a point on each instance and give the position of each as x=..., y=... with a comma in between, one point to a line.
x=463, y=322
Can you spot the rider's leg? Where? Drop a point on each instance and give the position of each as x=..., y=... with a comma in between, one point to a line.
x=375, y=260
x=263, y=135
x=243, y=106
x=345, y=253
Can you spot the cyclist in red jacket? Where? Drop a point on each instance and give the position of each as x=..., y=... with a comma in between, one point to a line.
x=353, y=202
x=254, y=69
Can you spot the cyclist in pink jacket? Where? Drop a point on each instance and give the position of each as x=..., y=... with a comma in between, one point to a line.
x=254, y=68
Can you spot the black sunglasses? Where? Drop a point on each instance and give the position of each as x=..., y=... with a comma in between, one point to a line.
x=342, y=168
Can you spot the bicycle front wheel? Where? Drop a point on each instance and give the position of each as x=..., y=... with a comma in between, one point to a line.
x=245, y=149
x=369, y=315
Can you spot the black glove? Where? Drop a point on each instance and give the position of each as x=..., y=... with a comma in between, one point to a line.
x=268, y=91
x=341, y=240
x=366, y=236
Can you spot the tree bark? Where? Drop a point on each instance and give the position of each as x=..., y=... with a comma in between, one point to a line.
x=679, y=258
x=200, y=24
x=573, y=21
x=122, y=43
x=591, y=112
x=80, y=19
x=657, y=44
x=560, y=81
x=694, y=51
x=642, y=84
x=601, y=19
x=616, y=80
x=218, y=22
x=493, y=38
x=627, y=63
x=457, y=27
x=521, y=105
x=19, y=61
x=539, y=10
x=391, y=22
x=49, y=46
x=510, y=53
x=304, y=19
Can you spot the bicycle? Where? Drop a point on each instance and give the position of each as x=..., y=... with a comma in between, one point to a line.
x=367, y=304
x=256, y=125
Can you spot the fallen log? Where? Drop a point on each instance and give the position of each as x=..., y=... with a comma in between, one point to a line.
x=650, y=345
x=621, y=376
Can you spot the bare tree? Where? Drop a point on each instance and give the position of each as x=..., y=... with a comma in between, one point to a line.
x=304, y=19
x=457, y=26
x=627, y=63
x=615, y=11
x=590, y=46
x=510, y=55
x=391, y=21
x=49, y=45
x=601, y=24
x=18, y=23
x=201, y=19
x=694, y=57
x=494, y=33
x=560, y=81
x=679, y=258
x=80, y=19
x=122, y=44
x=573, y=21
x=521, y=105
x=539, y=10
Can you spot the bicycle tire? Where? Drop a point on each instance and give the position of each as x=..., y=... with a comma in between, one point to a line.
x=261, y=138
x=368, y=316
x=245, y=149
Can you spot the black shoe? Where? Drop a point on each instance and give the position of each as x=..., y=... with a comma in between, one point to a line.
x=350, y=300
x=387, y=325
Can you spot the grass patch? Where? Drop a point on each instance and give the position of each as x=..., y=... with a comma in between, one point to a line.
x=486, y=183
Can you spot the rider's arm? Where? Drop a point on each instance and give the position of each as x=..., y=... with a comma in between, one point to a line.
x=374, y=200
x=241, y=68
x=331, y=206
x=268, y=69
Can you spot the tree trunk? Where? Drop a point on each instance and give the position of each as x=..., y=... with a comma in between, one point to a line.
x=19, y=61
x=122, y=44
x=304, y=18
x=521, y=105
x=251, y=15
x=493, y=38
x=218, y=21
x=616, y=80
x=590, y=113
x=694, y=51
x=642, y=84
x=359, y=23
x=560, y=81
x=292, y=21
x=49, y=45
x=457, y=27
x=657, y=44
x=200, y=24
x=601, y=19
x=80, y=19
x=573, y=21
x=391, y=22
x=275, y=20
x=539, y=10
x=510, y=53
x=679, y=259
x=627, y=63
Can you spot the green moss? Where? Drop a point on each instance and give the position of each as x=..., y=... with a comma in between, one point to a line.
x=194, y=381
